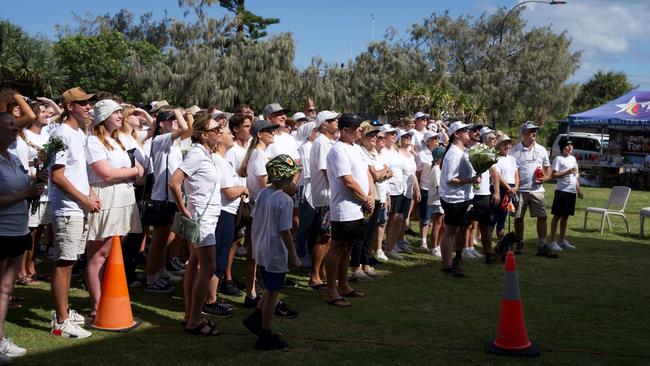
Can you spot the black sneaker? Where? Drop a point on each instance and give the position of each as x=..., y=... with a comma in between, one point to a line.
x=254, y=323
x=290, y=283
x=453, y=272
x=489, y=259
x=159, y=287
x=270, y=343
x=216, y=310
x=545, y=252
x=229, y=288
x=282, y=310
x=457, y=261
x=224, y=304
x=174, y=269
x=251, y=303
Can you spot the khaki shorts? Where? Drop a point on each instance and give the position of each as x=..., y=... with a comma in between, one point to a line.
x=70, y=234
x=535, y=200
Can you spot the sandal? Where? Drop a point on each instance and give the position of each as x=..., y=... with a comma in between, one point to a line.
x=340, y=302
x=205, y=328
x=26, y=281
x=354, y=293
x=14, y=302
x=319, y=287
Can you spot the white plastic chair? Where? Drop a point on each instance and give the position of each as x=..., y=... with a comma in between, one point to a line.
x=645, y=212
x=615, y=207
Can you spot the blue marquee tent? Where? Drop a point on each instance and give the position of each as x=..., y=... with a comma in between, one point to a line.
x=629, y=110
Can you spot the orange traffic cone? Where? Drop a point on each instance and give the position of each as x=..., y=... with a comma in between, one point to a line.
x=114, y=309
x=512, y=338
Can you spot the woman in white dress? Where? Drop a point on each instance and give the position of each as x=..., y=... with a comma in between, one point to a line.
x=111, y=177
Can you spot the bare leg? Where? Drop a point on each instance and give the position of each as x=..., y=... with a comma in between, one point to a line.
x=332, y=263
x=212, y=289
x=395, y=222
x=98, y=252
x=318, y=255
x=541, y=227
x=554, y=222
x=269, y=300
x=206, y=268
x=563, y=221
x=188, y=283
x=8, y=268
x=447, y=244
x=61, y=287
x=231, y=258
x=486, y=238
x=159, y=241
x=249, y=271
x=435, y=231
x=519, y=227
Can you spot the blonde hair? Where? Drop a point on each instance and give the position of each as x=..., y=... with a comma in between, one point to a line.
x=128, y=111
x=100, y=131
x=244, y=165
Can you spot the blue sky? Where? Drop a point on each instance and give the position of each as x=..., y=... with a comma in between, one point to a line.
x=611, y=34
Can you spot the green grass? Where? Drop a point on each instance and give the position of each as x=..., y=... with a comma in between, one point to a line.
x=590, y=307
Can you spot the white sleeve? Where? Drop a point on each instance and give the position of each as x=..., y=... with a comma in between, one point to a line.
x=340, y=164
x=322, y=157
x=192, y=162
x=95, y=150
x=284, y=211
x=258, y=165
x=556, y=164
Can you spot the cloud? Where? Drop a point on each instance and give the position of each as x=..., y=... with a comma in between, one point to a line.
x=610, y=33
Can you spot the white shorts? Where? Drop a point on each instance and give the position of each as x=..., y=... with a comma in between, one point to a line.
x=43, y=216
x=70, y=233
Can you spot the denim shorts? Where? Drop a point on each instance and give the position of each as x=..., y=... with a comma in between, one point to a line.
x=273, y=281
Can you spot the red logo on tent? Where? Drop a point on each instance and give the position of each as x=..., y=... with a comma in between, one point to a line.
x=632, y=107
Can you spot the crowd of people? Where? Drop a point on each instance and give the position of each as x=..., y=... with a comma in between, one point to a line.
x=325, y=190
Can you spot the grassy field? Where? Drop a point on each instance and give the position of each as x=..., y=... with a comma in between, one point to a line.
x=589, y=307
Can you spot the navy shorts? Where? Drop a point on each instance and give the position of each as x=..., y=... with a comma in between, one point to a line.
x=425, y=210
x=225, y=235
x=564, y=203
x=273, y=281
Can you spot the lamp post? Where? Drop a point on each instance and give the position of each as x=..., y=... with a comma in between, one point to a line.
x=503, y=23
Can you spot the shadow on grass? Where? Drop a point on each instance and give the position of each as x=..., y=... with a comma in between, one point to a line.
x=583, y=308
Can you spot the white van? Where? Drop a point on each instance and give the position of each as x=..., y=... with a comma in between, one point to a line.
x=586, y=147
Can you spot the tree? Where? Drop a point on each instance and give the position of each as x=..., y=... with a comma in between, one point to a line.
x=600, y=89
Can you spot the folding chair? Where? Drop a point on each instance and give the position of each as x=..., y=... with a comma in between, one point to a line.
x=645, y=212
x=615, y=207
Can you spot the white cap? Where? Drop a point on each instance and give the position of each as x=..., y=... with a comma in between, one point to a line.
x=486, y=130
x=432, y=127
x=458, y=125
x=298, y=116
x=420, y=115
x=103, y=109
x=430, y=134
x=387, y=128
x=323, y=116
x=403, y=133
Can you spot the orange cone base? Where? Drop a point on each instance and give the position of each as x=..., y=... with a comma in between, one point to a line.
x=530, y=351
x=136, y=323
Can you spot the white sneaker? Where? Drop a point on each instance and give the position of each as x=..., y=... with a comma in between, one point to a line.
x=424, y=249
x=169, y=277
x=73, y=315
x=381, y=256
x=359, y=274
x=9, y=348
x=475, y=253
x=467, y=254
x=552, y=246
x=436, y=252
x=69, y=329
x=394, y=255
x=566, y=245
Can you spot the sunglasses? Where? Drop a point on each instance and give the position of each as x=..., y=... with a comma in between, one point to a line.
x=331, y=120
x=82, y=103
x=381, y=138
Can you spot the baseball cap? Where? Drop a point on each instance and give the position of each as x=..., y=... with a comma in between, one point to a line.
x=438, y=152
x=562, y=144
x=387, y=128
x=458, y=125
x=529, y=125
x=349, y=120
x=103, y=109
x=486, y=130
x=218, y=114
x=367, y=127
x=281, y=167
x=418, y=115
x=165, y=116
x=262, y=124
x=298, y=116
x=432, y=127
x=323, y=116
x=474, y=126
x=429, y=135
x=273, y=108
x=403, y=133
x=156, y=106
x=75, y=95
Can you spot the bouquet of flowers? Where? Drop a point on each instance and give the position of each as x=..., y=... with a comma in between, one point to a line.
x=482, y=157
x=46, y=155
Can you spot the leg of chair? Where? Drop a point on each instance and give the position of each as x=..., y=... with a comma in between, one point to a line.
x=584, y=226
x=626, y=224
x=609, y=223
x=641, y=227
x=602, y=223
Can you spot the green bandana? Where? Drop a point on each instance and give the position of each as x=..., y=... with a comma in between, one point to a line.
x=281, y=167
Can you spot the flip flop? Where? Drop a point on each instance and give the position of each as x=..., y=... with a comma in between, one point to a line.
x=354, y=293
x=340, y=302
x=319, y=287
x=204, y=328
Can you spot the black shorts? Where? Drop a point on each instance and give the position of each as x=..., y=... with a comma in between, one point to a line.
x=348, y=230
x=481, y=210
x=456, y=214
x=14, y=246
x=395, y=204
x=564, y=203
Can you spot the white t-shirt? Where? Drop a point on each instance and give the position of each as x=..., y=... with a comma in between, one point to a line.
x=202, y=178
x=434, y=186
x=74, y=161
x=345, y=159
x=141, y=155
x=527, y=161
x=423, y=162
x=455, y=165
x=229, y=178
x=166, y=156
x=484, y=186
x=20, y=149
x=373, y=159
x=235, y=155
x=396, y=164
x=418, y=140
x=305, y=176
x=410, y=167
x=256, y=168
x=507, y=166
x=271, y=215
x=38, y=140
x=284, y=143
x=566, y=183
x=13, y=178
x=320, y=188
x=96, y=151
